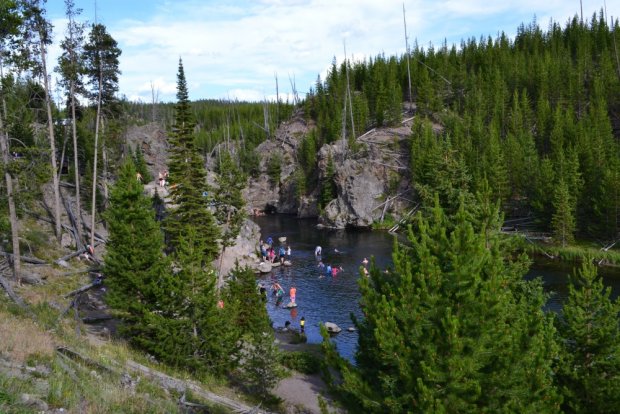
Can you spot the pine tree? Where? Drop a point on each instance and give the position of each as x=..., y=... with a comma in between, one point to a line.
x=452, y=328
x=563, y=220
x=256, y=349
x=588, y=371
x=250, y=314
x=137, y=272
x=189, y=190
x=199, y=337
x=328, y=185
x=141, y=166
x=101, y=66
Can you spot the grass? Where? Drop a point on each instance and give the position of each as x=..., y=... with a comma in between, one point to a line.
x=304, y=362
x=72, y=385
x=577, y=253
x=31, y=337
x=22, y=338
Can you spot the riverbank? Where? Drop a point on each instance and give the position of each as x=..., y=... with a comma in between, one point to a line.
x=575, y=253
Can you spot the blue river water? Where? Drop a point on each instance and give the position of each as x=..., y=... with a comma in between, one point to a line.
x=333, y=299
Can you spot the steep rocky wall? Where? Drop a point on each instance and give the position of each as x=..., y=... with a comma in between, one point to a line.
x=366, y=176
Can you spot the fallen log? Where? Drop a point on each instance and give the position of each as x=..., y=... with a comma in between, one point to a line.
x=9, y=290
x=76, y=356
x=84, y=288
x=165, y=381
x=27, y=259
x=180, y=386
x=74, y=224
x=75, y=253
x=96, y=319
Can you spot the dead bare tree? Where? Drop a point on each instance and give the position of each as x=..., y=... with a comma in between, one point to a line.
x=154, y=101
x=277, y=100
x=293, y=89
x=408, y=57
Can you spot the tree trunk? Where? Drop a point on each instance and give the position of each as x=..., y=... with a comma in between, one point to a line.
x=78, y=227
x=50, y=126
x=93, y=209
x=104, y=156
x=4, y=148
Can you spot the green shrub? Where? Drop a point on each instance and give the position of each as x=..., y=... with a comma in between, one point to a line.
x=274, y=168
x=303, y=362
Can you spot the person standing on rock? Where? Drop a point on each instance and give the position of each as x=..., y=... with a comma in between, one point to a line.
x=292, y=293
x=281, y=254
x=302, y=325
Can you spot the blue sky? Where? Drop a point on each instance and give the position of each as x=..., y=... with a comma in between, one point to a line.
x=235, y=49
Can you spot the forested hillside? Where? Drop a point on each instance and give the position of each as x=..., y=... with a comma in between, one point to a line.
x=503, y=130
x=537, y=116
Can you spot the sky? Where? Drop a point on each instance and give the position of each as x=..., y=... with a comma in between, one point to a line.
x=237, y=49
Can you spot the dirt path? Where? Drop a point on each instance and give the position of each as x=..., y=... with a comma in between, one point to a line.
x=301, y=392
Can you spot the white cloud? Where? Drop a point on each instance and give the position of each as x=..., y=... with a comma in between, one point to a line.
x=237, y=49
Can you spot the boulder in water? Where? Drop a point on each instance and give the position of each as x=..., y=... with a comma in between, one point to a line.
x=290, y=305
x=332, y=327
x=265, y=267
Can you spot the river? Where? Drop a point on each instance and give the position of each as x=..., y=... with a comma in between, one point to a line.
x=334, y=299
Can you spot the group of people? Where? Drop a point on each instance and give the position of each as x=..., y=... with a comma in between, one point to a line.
x=329, y=269
x=268, y=252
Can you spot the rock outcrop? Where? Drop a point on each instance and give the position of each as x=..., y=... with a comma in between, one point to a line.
x=243, y=252
x=371, y=176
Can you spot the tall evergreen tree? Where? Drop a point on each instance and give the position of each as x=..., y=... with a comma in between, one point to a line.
x=328, y=185
x=452, y=328
x=563, y=220
x=189, y=190
x=241, y=295
x=101, y=65
x=255, y=348
x=137, y=272
x=588, y=371
x=141, y=166
x=200, y=337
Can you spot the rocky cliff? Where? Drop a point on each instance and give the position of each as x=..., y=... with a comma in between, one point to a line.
x=371, y=177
